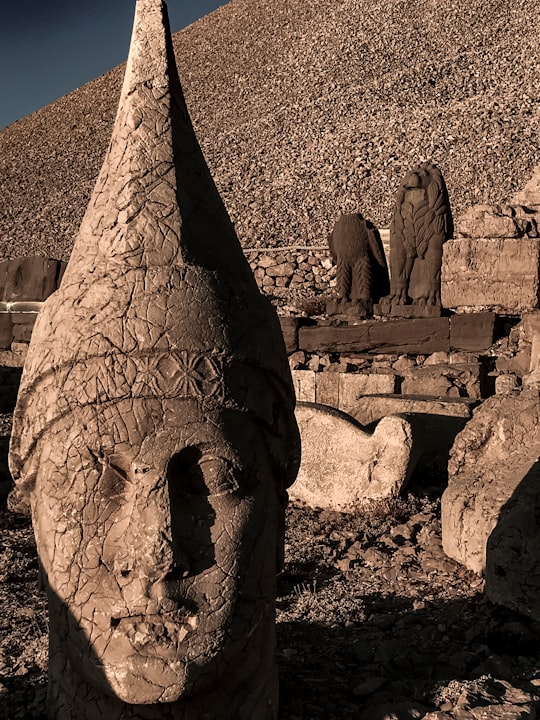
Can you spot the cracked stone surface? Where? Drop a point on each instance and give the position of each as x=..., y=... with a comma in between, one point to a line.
x=491, y=472
x=155, y=433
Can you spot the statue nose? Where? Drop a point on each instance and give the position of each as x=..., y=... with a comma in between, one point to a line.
x=142, y=537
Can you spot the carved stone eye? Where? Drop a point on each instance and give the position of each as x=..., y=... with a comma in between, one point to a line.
x=219, y=476
x=190, y=473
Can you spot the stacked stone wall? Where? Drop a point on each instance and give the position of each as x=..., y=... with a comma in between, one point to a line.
x=288, y=273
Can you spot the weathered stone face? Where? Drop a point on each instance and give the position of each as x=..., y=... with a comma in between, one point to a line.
x=155, y=433
x=158, y=527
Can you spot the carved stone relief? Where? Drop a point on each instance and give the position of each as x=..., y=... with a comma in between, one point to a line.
x=422, y=223
x=361, y=270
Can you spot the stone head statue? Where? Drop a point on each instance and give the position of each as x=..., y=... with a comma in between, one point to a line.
x=155, y=433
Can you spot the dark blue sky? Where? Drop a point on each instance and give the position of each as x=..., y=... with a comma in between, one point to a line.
x=50, y=47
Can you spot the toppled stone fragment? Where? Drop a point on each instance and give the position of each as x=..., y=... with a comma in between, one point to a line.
x=489, y=461
x=342, y=465
x=498, y=221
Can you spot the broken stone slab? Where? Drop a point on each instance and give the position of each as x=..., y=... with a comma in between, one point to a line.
x=33, y=278
x=498, y=221
x=456, y=380
x=342, y=465
x=489, y=461
x=418, y=335
x=491, y=274
x=373, y=408
x=435, y=423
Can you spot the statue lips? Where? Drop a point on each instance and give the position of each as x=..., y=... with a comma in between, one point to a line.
x=161, y=634
x=160, y=629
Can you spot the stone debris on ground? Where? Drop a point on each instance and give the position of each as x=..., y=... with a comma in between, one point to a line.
x=374, y=623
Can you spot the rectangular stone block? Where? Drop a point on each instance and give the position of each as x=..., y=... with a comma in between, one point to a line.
x=472, y=332
x=420, y=335
x=328, y=338
x=500, y=274
x=304, y=385
x=408, y=337
x=327, y=388
x=353, y=386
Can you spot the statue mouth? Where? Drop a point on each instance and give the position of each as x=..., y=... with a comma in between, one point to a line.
x=164, y=629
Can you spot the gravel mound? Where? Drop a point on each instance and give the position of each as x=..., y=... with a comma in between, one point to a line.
x=305, y=110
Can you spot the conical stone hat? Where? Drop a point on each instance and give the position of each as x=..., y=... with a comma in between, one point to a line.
x=158, y=299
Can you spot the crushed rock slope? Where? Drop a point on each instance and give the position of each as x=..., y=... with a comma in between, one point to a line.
x=304, y=110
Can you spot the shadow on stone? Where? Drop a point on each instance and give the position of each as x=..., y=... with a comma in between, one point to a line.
x=433, y=437
x=513, y=549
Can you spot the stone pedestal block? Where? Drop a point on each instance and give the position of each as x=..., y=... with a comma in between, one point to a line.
x=491, y=274
x=419, y=335
x=492, y=490
x=343, y=466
